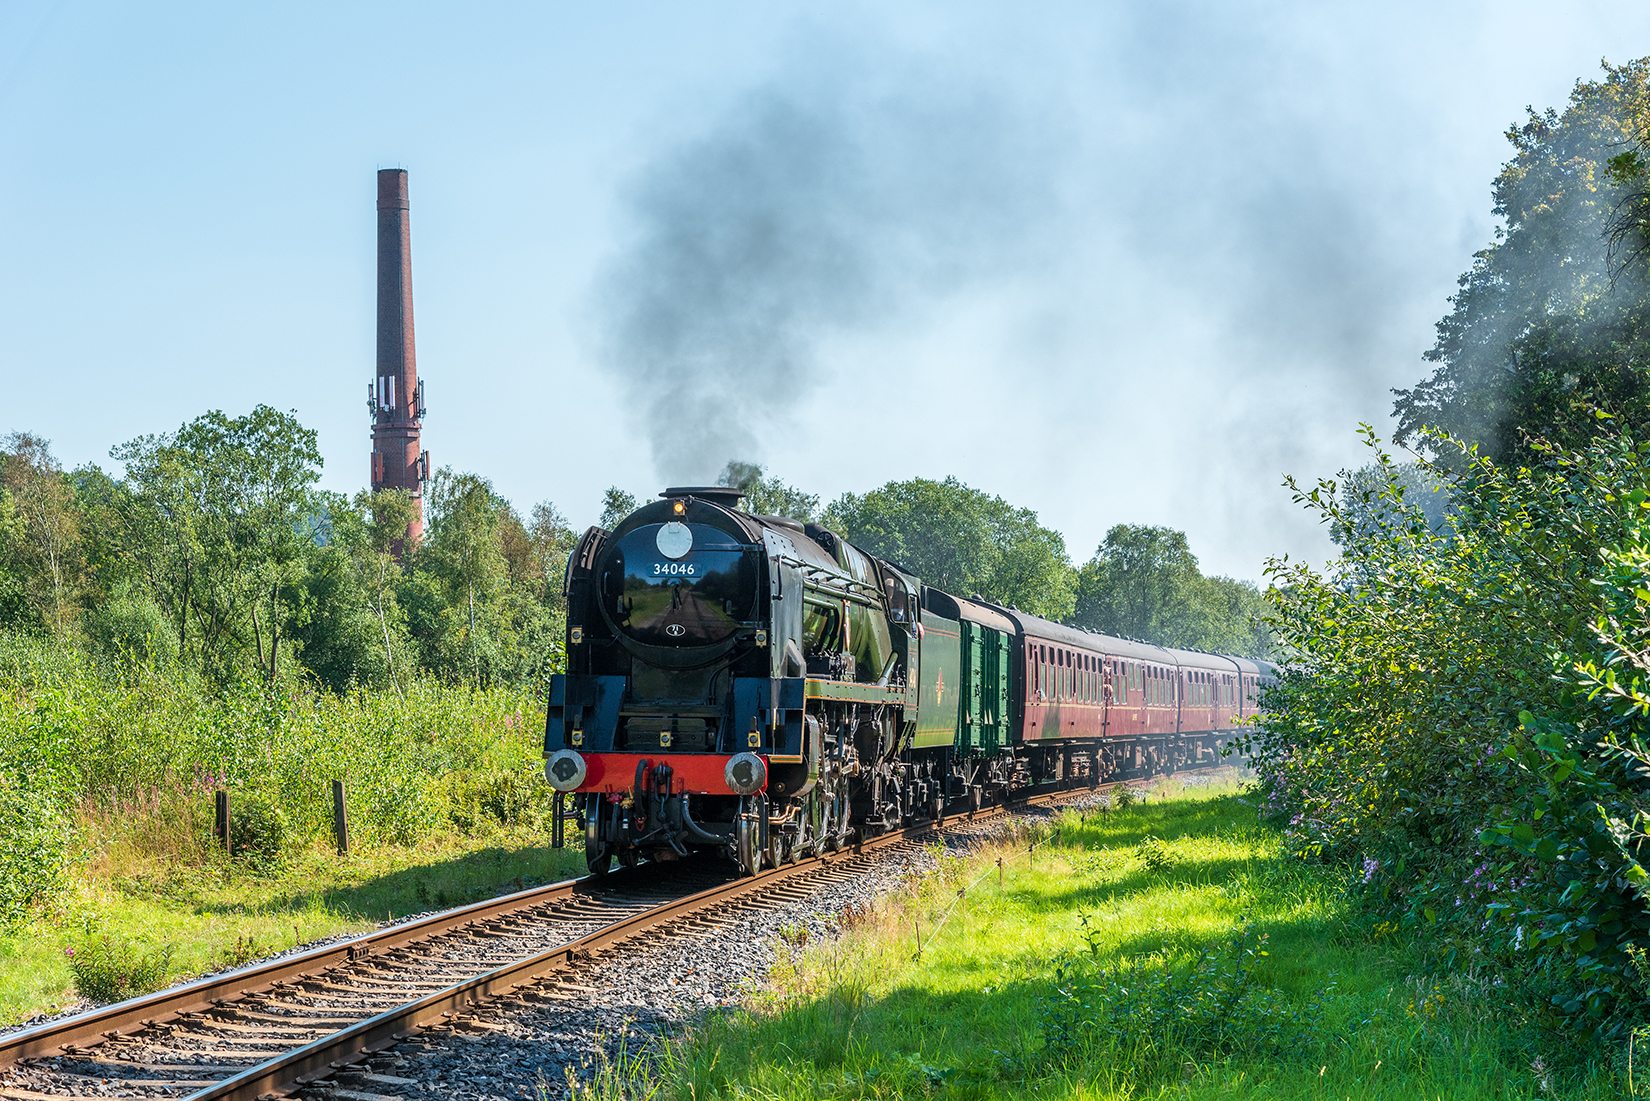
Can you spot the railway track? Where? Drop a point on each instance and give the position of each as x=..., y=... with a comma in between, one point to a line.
x=288, y=1025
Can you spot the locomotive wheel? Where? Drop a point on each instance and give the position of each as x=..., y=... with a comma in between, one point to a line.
x=748, y=836
x=777, y=851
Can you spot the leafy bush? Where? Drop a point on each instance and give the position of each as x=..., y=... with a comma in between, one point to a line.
x=33, y=847
x=131, y=626
x=498, y=798
x=112, y=969
x=1464, y=718
x=258, y=830
x=1153, y=1017
x=1155, y=855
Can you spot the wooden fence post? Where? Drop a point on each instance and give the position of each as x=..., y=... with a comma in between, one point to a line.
x=340, y=818
x=220, y=820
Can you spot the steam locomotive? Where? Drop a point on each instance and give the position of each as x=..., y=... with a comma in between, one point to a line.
x=763, y=689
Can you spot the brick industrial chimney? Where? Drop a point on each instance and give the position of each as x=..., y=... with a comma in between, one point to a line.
x=396, y=397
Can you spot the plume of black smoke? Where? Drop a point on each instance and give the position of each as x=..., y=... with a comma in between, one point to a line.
x=809, y=209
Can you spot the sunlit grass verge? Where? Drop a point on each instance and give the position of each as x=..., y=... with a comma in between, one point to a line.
x=1163, y=950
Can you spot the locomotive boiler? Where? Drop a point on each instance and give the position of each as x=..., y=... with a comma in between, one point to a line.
x=760, y=688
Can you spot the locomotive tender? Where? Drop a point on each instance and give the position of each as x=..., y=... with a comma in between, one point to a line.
x=763, y=689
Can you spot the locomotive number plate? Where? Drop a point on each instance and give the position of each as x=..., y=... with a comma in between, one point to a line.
x=675, y=569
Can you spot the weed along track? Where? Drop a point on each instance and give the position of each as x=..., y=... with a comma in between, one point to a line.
x=324, y=1023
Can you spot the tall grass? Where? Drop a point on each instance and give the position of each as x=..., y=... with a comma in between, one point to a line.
x=107, y=761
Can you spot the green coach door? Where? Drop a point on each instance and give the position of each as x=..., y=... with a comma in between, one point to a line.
x=984, y=653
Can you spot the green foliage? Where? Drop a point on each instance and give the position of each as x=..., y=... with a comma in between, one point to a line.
x=40, y=529
x=1154, y=854
x=259, y=831
x=1153, y=1016
x=112, y=969
x=1376, y=497
x=963, y=541
x=768, y=496
x=81, y=732
x=130, y=626
x=217, y=550
x=33, y=846
x=616, y=505
x=1143, y=582
x=1543, y=324
x=1463, y=715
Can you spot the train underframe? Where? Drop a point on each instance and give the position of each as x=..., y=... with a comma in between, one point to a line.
x=856, y=780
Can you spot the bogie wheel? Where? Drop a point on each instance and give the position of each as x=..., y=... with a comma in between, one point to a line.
x=749, y=839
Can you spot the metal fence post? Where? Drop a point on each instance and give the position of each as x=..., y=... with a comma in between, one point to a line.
x=340, y=818
x=558, y=827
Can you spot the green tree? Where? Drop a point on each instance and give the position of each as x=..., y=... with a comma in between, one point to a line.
x=15, y=611
x=616, y=505
x=551, y=540
x=464, y=550
x=767, y=495
x=46, y=528
x=1377, y=496
x=963, y=541
x=233, y=498
x=1143, y=582
x=1541, y=327
x=349, y=628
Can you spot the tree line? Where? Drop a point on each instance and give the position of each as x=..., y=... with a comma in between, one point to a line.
x=216, y=550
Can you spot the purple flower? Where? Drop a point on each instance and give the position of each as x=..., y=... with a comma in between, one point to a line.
x=1371, y=866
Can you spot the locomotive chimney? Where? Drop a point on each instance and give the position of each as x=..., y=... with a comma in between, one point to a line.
x=396, y=398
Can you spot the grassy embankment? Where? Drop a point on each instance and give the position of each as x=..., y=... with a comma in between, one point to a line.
x=1163, y=950
x=106, y=788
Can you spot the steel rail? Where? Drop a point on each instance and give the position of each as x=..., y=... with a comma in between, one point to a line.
x=315, y=1060
x=123, y=1018
x=320, y=1058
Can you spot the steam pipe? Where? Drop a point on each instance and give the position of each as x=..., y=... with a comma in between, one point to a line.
x=693, y=827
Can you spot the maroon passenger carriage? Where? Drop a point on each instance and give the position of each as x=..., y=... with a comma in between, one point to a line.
x=1115, y=707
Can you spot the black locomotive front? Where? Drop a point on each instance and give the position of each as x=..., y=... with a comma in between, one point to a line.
x=734, y=683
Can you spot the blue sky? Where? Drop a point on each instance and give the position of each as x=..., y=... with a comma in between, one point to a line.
x=1117, y=262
